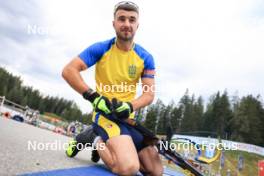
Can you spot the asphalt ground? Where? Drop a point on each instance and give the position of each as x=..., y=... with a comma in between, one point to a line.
x=26, y=148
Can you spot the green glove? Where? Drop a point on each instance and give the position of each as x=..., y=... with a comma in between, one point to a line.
x=122, y=109
x=100, y=103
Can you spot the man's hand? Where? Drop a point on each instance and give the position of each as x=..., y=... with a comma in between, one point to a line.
x=100, y=103
x=122, y=109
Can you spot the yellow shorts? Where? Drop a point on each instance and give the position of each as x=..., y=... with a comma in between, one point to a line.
x=106, y=127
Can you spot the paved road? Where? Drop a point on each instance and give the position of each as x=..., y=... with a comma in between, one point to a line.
x=17, y=155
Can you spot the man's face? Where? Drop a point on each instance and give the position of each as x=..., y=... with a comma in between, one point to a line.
x=125, y=24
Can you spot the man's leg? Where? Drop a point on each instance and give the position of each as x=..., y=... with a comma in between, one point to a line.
x=119, y=152
x=120, y=155
x=150, y=162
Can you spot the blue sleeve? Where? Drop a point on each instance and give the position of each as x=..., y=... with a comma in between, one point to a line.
x=92, y=54
x=149, y=63
x=146, y=56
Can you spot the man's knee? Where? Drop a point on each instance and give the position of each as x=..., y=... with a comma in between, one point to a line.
x=155, y=171
x=151, y=161
x=126, y=168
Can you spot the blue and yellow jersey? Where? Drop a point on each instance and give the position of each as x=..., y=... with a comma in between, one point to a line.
x=118, y=72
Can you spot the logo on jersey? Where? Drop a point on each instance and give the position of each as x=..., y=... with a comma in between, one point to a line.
x=109, y=125
x=132, y=69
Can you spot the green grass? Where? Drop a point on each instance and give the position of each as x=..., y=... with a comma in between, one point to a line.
x=231, y=161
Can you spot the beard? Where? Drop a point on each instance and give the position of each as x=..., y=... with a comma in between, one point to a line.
x=123, y=37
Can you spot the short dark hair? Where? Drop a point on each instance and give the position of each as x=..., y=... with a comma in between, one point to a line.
x=126, y=5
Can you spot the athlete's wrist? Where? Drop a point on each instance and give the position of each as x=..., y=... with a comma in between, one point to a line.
x=130, y=106
x=90, y=95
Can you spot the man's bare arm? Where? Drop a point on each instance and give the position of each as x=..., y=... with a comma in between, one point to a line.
x=71, y=73
x=147, y=96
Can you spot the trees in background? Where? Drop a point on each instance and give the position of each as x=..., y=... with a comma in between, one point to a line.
x=247, y=123
x=11, y=87
x=229, y=117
